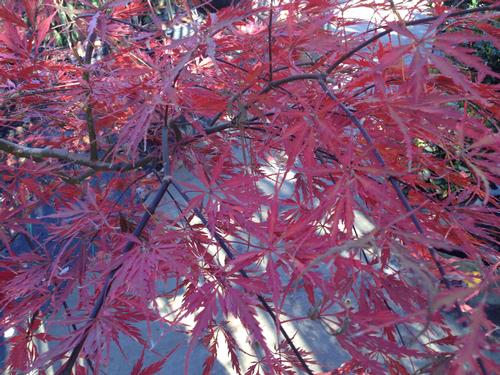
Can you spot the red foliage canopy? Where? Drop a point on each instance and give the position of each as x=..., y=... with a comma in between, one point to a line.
x=273, y=153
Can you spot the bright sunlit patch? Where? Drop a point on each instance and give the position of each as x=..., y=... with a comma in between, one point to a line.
x=251, y=28
x=205, y=62
x=9, y=333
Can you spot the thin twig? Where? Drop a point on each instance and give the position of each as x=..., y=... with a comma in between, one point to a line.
x=91, y=131
x=270, y=40
x=24, y=93
x=64, y=155
x=164, y=142
x=298, y=77
x=231, y=64
x=134, y=26
x=75, y=328
x=88, y=108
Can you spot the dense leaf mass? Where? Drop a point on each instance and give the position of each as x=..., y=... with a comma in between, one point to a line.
x=272, y=152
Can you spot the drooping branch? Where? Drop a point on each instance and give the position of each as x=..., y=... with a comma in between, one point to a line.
x=320, y=154
x=352, y=52
x=267, y=308
x=391, y=179
x=101, y=298
x=389, y=29
x=322, y=79
x=432, y=251
x=37, y=153
x=323, y=75
x=148, y=213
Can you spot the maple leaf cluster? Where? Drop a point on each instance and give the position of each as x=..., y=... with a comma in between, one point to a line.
x=269, y=153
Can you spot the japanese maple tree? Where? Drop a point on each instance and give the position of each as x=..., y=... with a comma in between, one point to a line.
x=229, y=168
